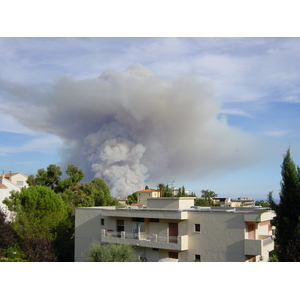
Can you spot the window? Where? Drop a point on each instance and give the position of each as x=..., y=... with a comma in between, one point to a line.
x=102, y=221
x=138, y=220
x=197, y=227
x=197, y=257
x=120, y=225
x=154, y=220
x=19, y=183
x=173, y=255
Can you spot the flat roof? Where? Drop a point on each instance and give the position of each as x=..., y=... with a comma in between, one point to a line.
x=212, y=209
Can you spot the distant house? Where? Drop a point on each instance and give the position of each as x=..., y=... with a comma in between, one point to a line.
x=10, y=182
x=121, y=200
x=175, y=191
x=222, y=201
x=243, y=201
x=143, y=195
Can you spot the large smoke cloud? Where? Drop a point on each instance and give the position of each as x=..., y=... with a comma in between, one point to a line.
x=126, y=127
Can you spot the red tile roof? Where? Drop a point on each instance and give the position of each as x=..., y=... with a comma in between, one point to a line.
x=147, y=190
x=10, y=174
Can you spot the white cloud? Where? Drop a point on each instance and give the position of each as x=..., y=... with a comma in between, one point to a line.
x=237, y=112
x=277, y=133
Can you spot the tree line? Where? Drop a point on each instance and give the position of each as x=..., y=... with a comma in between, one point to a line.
x=43, y=215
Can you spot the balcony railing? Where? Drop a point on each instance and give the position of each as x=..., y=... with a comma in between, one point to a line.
x=146, y=240
x=256, y=246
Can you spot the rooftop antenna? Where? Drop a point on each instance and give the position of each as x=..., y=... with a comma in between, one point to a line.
x=3, y=171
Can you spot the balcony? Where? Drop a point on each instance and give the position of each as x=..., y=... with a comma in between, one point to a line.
x=177, y=243
x=257, y=246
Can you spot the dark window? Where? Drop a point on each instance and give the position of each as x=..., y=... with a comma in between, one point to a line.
x=155, y=249
x=197, y=257
x=138, y=219
x=120, y=225
x=197, y=227
x=173, y=255
x=102, y=221
x=153, y=220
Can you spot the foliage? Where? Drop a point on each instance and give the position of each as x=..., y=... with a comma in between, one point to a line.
x=43, y=226
x=208, y=194
x=287, y=220
x=38, y=211
x=111, y=253
x=131, y=198
x=39, y=248
x=203, y=202
x=273, y=256
x=100, y=192
x=49, y=177
x=262, y=203
x=165, y=191
x=8, y=237
x=206, y=198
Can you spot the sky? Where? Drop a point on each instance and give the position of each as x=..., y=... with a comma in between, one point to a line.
x=206, y=113
x=137, y=98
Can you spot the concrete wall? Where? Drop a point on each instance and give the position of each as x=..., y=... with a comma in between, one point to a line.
x=171, y=203
x=220, y=239
x=87, y=229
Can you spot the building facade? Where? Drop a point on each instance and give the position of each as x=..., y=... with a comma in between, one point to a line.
x=174, y=228
x=143, y=195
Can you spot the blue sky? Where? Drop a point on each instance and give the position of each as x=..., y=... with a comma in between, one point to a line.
x=254, y=84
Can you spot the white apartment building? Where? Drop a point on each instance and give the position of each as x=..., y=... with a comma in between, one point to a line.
x=174, y=228
x=175, y=191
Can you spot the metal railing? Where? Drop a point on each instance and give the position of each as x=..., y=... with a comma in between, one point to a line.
x=142, y=236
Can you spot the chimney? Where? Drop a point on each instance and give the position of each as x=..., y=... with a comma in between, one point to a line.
x=1, y=177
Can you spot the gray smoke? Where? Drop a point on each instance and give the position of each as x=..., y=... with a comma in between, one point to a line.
x=132, y=126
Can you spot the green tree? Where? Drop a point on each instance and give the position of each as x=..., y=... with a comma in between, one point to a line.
x=75, y=176
x=262, y=203
x=165, y=191
x=131, y=198
x=38, y=210
x=208, y=194
x=111, y=253
x=38, y=213
x=8, y=236
x=49, y=177
x=287, y=220
x=100, y=192
x=203, y=202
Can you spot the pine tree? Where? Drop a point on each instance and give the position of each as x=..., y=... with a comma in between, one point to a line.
x=287, y=220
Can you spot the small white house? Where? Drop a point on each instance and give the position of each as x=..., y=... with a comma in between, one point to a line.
x=10, y=182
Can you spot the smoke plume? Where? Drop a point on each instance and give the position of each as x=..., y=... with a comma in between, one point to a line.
x=132, y=126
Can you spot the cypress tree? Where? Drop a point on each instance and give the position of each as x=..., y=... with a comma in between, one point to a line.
x=287, y=220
